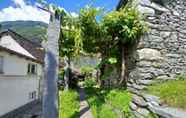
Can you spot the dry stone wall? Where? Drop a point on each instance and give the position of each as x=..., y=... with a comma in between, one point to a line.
x=160, y=55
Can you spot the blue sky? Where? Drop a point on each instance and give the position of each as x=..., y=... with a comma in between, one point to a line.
x=69, y=5
x=11, y=10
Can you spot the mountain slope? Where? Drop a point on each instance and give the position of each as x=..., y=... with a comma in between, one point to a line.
x=32, y=30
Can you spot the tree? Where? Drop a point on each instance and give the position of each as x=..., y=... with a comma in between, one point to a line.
x=112, y=35
x=50, y=94
x=125, y=27
x=69, y=44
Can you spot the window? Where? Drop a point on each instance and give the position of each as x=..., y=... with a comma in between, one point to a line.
x=32, y=69
x=32, y=95
x=1, y=64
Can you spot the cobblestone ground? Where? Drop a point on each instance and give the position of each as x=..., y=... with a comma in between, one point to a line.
x=34, y=112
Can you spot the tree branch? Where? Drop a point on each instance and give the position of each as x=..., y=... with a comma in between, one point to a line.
x=45, y=9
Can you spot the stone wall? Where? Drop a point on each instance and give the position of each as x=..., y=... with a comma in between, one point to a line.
x=161, y=53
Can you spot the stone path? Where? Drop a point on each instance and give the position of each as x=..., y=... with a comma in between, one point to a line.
x=85, y=111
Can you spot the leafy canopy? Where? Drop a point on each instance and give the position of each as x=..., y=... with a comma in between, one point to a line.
x=86, y=34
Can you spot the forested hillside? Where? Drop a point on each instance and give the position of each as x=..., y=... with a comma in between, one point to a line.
x=33, y=30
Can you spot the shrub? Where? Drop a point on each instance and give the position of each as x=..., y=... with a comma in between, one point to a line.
x=90, y=82
x=86, y=70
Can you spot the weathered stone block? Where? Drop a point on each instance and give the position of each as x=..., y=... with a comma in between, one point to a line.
x=149, y=54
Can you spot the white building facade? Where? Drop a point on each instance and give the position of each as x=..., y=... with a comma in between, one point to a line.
x=20, y=75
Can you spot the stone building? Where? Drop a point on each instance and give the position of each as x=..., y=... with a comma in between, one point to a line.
x=160, y=54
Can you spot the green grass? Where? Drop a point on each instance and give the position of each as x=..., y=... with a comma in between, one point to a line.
x=69, y=104
x=103, y=103
x=172, y=93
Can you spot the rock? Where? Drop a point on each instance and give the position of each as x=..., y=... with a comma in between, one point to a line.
x=165, y=78
x=168, y=112
x=138, y=87
x=153, y=103
x=139, y=101
x=150, y=97
x=133, y=106
x=146, y=82
x=156, y=38
x=133, y=90
x=149, y=54
x=154, y=72
x=159, y=8
x=137, y=115
x=152, y=100
x=144, y=64
x=143, y=112
x=146, y=10
x=147, y=75
x=165, y=34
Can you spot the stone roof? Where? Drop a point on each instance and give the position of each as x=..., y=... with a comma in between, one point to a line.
x=36, y=50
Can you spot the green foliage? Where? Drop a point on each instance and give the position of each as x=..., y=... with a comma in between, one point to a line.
x=125, y=25
x=91, y=30
x=86, y=34
x=107, y=73
x=112, y=60
x=69, y=35
x=103, y=103
x=116, y=28
x=69, y=104
x=86, y=70
x=171, y=92
x=61, y=74
x=181, y=77
x=152, y=115
x=90, y=82
x=120, y=99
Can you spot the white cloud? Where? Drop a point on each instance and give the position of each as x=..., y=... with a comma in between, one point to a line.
x=23, y=11
x=19, y=2
x=73, y=14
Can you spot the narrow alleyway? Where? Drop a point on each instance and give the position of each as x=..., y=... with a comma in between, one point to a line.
x=85, y=111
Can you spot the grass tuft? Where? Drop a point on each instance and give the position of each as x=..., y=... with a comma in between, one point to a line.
x=69, y=104
x=172, y=92
x=104, y=102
